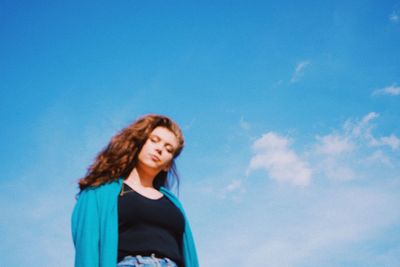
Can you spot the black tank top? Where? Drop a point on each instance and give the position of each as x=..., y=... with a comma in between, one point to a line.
x=147, y=226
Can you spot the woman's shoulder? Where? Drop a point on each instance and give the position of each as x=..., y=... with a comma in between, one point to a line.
x=171, y=196
x=167, y=192
x=103, y=189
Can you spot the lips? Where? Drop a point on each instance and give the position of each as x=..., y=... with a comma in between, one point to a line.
x=154, y=158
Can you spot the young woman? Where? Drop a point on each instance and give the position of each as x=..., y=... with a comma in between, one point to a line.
x=125, y=215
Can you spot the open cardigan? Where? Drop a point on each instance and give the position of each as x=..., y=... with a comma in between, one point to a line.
x=95, y=227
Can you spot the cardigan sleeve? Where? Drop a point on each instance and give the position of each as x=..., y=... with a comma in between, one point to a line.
x=85, y=229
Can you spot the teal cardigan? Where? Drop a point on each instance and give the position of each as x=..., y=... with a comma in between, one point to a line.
x=95, y=227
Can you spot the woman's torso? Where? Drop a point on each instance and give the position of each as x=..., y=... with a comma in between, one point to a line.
x=147, y=226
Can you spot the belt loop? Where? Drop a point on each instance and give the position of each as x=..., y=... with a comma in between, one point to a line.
x=169, y=262
x=139, y=258
x=156, y=260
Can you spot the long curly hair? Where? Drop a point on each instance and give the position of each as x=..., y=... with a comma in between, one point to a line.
x=120, y=156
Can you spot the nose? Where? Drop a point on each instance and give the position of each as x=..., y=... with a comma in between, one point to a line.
x=158, y=149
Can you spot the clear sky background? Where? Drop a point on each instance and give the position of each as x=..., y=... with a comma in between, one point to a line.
x=290, y=109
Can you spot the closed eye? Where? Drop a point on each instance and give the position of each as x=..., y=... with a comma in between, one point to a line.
x=170, y=149
x=154, y=138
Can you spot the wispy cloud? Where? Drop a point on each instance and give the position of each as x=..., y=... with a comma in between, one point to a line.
x=389, y=90
x=337, y=155
x=330, y=154
x=394, y=17
x=335, y=223
x=299, y=70
x=362, y=130
x=311, y=224
x=273, y=154
x=379, y=157
x=309, y=231
x=392, y=141
x=234, y=190
x=342, y=217
x=333, y=144
x=245, y=125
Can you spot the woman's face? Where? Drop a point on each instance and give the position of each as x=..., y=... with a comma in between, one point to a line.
x=158, y=150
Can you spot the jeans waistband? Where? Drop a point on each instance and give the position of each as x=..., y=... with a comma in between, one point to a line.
x=146, y=261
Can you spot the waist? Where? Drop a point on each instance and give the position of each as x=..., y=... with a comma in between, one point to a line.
x=150, y=261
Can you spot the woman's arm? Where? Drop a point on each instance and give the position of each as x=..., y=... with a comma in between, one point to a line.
x=85, y=229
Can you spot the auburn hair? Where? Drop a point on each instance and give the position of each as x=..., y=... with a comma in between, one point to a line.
x=120, y=156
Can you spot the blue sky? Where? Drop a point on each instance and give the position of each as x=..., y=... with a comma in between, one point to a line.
x=290, y=112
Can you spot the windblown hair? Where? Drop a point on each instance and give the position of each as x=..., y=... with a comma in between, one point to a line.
x=120, y=156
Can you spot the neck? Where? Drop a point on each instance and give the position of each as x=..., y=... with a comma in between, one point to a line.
x=141, y=177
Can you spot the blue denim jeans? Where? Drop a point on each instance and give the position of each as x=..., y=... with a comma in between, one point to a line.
x=146, y=261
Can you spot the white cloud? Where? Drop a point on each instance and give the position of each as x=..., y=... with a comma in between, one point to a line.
x=272, y=154
x=324, y=224
x=392, y=141
x=379, y=157
x=299, y=70
x=340, y=155
x=361, y=128
x=335, y=168
x=331, y=156
x=362, y=131
x=389, y=90
x=369, y=117
x=333, y=144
